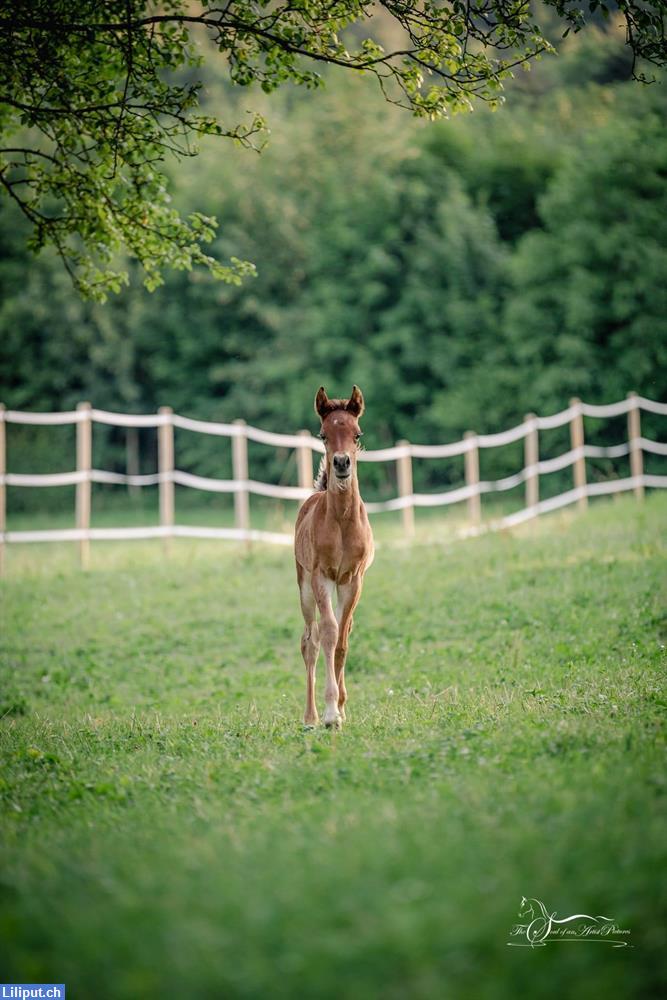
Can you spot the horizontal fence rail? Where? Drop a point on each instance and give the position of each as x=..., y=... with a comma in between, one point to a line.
x=403, y=454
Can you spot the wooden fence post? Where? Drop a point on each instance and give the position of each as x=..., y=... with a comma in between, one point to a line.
x=3, y=493
x=165, y=459
x=304, y=461
x=240, y=467
x=84, y=464
x=405, y=489
x=531, y=456
x=472, y=478
x=577, y=441
x=132, y=458
x=634, y=439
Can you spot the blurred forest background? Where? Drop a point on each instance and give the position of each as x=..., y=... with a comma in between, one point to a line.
x=462, y=273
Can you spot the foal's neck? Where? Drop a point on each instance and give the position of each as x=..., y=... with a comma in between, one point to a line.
x=343, y=503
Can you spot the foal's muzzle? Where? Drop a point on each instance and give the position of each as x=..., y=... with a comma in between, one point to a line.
x=342, y=465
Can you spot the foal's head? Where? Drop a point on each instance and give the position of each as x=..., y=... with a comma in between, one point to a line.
x=340, y=432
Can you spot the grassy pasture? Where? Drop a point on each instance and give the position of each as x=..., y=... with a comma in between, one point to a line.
x=167, y=825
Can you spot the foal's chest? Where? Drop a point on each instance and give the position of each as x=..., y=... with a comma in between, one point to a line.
x=345, y=552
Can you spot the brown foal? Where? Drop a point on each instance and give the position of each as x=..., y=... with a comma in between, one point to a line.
x=333, y=548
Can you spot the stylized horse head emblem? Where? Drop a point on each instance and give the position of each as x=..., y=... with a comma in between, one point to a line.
x=540, y=923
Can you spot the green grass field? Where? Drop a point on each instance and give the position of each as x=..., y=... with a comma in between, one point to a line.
x=169, y=828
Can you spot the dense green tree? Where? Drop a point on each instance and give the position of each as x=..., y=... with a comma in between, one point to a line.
x=95, y=94
x=463, y=273
x=587, y=314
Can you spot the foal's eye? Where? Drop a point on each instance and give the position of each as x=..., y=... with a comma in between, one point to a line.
x=322, y=437
x=357, y=438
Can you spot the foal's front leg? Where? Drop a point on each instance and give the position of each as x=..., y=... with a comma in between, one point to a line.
x=323, y=590
x=348, y=598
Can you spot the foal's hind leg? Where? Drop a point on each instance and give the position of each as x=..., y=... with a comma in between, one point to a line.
x=310, y=646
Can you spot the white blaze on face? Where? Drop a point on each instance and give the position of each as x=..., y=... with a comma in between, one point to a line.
x=341, y=484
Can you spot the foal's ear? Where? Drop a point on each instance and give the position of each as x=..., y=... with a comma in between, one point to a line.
x=321, y=403
x=355, y=404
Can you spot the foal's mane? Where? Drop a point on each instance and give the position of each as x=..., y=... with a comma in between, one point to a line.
x=332, y=404
x=320, y=483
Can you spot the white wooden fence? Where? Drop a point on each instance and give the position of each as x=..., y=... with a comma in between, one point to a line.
x=168, y=475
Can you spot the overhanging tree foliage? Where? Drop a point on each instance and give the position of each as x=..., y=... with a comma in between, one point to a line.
x=95, y=94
